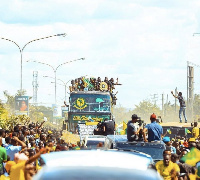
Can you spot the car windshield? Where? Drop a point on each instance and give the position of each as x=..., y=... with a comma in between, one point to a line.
x=93, y=143
x=90, y=103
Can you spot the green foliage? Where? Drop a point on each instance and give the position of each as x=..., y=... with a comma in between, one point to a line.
x=3, y=112
x=10, y=122
x=37, y=113
x=121, y=114
x=10, y=103
x=196, y=106
x=145, y=109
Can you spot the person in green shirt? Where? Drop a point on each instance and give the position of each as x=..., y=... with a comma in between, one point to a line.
x=3, y=157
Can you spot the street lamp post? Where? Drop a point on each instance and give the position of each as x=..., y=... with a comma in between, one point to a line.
x=64, y=84
x=22, y=49
x=55, y=69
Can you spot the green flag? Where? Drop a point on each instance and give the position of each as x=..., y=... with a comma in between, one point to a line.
x=187, y=131
x=192, y=157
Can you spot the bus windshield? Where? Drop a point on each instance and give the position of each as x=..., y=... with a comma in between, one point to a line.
x=90, y=103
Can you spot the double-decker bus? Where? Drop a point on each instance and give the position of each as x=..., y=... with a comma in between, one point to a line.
x=91, y=100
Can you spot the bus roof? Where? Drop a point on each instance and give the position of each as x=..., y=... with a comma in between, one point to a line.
x=89, y=92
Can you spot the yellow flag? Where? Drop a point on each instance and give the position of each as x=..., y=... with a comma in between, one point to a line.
x=169, y=131
x=124, y=126
x=188, y=131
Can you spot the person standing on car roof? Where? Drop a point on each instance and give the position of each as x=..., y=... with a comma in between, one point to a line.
x=133, y=128
x=182, y=106
x=153, y=129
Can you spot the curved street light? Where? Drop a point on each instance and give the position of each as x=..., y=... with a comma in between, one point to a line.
x=64, y=84
x=22, y=49
x=55, y=69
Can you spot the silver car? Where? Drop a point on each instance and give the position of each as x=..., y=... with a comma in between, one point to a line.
x=97, y=165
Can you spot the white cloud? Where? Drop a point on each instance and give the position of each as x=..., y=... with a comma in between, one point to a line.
x=145, y=45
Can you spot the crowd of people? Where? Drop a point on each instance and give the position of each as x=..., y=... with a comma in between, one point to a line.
x=21, y=148
x=172, y=166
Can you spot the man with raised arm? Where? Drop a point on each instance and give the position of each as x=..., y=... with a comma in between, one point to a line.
x=182, y=106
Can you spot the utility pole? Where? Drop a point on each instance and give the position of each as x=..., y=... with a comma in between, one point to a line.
x=162, y=105
x=175, y=98
x=190, y=86
x=166, y=105
x=154, y=98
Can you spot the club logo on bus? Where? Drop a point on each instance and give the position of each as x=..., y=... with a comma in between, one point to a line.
x=80, y=103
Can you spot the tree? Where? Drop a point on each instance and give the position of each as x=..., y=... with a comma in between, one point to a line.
x=37, y=113
x=8, y=119
x=145, y=109
x=3, y=112
x=196, y=106
x=9, y=122
x=121, y=114
x=10, y=103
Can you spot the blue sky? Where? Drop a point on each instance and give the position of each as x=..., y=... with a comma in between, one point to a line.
x=144, y=43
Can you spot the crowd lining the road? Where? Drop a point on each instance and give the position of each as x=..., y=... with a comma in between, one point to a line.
x=21, y=149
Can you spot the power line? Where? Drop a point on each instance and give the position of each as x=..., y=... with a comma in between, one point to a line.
x=188, y=62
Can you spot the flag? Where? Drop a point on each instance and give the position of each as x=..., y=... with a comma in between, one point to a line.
x=87, y=83
x=122, y=132
x=169, y=131
x=192, y=157
x=187, y=131
x=124, y=126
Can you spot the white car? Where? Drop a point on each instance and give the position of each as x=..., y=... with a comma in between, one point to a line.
x=95, y=164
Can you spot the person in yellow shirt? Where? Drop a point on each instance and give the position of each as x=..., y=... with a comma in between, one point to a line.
x=8, y=164
x=23, y=167
x=195, y=130
x=166, y=168
x=17, y=171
